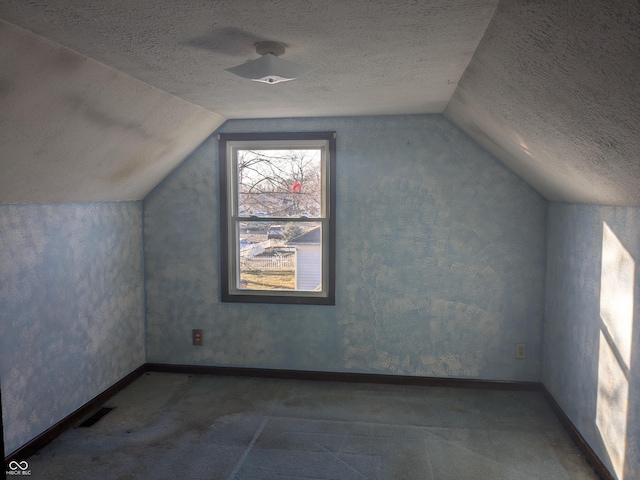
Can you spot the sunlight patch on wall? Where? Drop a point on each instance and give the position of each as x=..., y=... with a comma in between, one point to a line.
x=616, y=292
x=614, y=359
x=612, y=404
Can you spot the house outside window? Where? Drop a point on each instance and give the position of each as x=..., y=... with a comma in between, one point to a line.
x=278, y=217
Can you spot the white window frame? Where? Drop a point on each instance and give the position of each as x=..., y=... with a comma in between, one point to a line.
x=230, y=220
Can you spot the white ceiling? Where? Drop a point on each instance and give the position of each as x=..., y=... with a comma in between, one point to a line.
x=554, y=92
x=75, y=130
x=100, y=99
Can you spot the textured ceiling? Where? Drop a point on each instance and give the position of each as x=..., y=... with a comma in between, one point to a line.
x=75, y=130
x=554, y=92
x=368, y=56
x=99, y=99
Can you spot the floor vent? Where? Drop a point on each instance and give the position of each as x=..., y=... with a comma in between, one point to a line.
x=96, y=417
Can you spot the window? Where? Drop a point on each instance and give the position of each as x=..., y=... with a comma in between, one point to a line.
x=277, y=203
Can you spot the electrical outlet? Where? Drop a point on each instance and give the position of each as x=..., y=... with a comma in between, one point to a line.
x=196, y=336
x=521, y=350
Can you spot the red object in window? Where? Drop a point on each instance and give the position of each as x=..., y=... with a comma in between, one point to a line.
x=296, y=187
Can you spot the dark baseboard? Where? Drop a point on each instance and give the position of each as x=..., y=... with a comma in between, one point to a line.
x=577, y=437
x=351, y=377
x=73, y=418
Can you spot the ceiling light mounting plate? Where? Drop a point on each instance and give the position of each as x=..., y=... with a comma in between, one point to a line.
x=274, y=48
x=269, y=68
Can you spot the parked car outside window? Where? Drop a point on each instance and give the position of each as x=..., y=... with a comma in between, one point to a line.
x=275, y=231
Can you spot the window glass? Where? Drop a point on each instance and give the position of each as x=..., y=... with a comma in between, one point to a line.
x=279, y=183
x=277, y=225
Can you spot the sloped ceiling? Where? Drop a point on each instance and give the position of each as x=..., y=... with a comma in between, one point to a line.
x=553, y=91
x=74, y=130
x=99, y=99
x=78, y=127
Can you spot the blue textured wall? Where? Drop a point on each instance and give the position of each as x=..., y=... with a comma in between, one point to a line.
x=440, y=261
x=71, y=306
x=575, y=366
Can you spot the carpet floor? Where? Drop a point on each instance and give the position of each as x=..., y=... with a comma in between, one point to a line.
x=177, y=426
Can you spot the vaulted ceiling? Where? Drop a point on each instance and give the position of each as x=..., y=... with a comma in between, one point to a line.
x=100, y=99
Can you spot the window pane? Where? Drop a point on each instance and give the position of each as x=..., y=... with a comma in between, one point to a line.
x=280, y=256
x=277, y=201
x=279, y=183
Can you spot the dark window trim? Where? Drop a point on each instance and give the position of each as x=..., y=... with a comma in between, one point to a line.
x=226, y=295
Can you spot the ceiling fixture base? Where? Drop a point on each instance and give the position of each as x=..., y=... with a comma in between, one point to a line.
x=269, y=68
x=274, y=48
